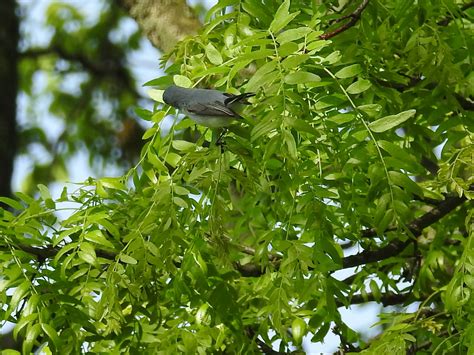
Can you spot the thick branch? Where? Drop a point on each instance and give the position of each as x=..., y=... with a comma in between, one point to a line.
x=48, y=252
x=164, y=22
x=392, y=249
x=367, y=256
x=353, y=18
x=9, y=35
x=397, y=246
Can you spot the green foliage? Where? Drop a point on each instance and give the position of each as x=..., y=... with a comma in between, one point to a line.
x=196, y=250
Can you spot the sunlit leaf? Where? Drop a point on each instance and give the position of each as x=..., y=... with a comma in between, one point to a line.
x=388, y=122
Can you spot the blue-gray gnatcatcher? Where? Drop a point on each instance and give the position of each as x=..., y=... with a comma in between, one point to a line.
x=210, y=108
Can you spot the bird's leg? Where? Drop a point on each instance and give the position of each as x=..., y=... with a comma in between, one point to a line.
x=219, y=141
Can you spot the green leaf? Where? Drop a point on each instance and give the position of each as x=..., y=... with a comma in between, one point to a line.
x=31, y=305
x=183, y=145
x=213, y=54
x=359, y=86
x=349, y=72
x=385, y=123
x=181, y=80
x=30, y=337
x=157, y=163
x=52, y=334
x=158, y=116
x=173, y=159
x=404, y=181
x=201, y=314
x=292, y=34
x=12, y=203
x=156, y=95
x=257, y=9
x=372, y=110
x=142, y=113
x=160, y=82
x=396, y=151
x=261, y=76
x=97, y=237
x=316, y=46
x=45, y=195
x=265, y=126
x=149, y=132
x=287, y=49
x=298, y=330
x=301, y=77
x=374, y=288
x=291, y=144
x=180, y=202
x=294, y=61
x=87, y=253
x=341, y=118
x=385, y=220
x=127, y=259
x=282, y=17
x=332, y=58
x=20, y=292
x=180, y=190
x=24, y=321
x=113, y=183
x=303, y=126
x=212, y=70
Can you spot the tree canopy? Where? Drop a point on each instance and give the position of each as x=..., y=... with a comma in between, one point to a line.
x=356, y=153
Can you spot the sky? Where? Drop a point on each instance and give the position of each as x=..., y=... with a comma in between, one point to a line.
x=144, y=63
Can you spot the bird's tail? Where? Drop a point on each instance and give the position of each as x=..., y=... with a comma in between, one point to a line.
x=242, y=98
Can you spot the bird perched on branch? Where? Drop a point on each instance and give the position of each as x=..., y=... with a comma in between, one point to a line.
x=210, y=108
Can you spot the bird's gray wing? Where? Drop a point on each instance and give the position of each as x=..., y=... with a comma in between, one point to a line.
x=211, y=109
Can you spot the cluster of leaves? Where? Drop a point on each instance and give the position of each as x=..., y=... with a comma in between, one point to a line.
x=198, y=250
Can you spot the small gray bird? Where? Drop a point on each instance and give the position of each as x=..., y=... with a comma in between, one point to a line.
x=210, y=108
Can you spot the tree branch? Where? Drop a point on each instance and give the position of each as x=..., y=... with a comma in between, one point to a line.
x=164, y=22
x=49, y=251
x=264, y=347
x=397, y=246
x=353, y=18
x=449, y=18
x=9, y=36
x=386, y=299
x=394, y=248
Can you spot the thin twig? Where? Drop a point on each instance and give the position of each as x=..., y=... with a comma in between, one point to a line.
x=353, y=18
